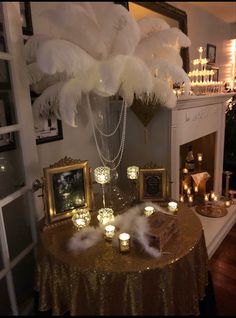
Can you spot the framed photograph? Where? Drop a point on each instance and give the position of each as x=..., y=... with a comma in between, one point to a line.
x=7, y=141
x=211, y=53
x=67, y=187
x=25, y=11
x=46, y=129
x=152, y=184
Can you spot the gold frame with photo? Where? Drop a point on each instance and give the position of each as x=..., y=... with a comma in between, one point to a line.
x=156, y=177
x=57, y=175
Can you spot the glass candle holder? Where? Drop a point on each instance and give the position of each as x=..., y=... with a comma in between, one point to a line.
x=109, y=232
x=215, y=198
x=185, y=171
x=132, y=172
x=227, y=203
x=81, y=218
x=102, y=175
x=212, y=195
x=185, y=187
x=105, y=215
x=195, y=189
x=172, y=206
x=124, y=242
x=149, y=210
x=199, y=157
x=189, y=191
x=181, y=198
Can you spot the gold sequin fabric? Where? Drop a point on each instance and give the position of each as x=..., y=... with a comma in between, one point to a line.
x=102, y=281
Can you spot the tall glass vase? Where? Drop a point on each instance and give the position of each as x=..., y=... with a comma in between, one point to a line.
x=106, y=114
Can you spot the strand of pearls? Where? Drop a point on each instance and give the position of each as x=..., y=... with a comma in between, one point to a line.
x=118, y=125
x=119, y=155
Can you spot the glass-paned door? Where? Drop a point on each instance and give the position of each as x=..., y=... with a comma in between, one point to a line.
x=18, y=168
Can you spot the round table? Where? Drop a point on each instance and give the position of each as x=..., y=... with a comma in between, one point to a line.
x=102, y=281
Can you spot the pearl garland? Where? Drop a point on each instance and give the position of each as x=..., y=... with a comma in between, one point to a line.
x=119, y=155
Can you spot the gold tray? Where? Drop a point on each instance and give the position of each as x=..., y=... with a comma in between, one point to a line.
x=211, y=210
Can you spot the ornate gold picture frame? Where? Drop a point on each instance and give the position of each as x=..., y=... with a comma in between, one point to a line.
x=67, y=186
x=152, y=184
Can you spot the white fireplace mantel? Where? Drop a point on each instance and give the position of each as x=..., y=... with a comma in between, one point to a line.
x=195, y=117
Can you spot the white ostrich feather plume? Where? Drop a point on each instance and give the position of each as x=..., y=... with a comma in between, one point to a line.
x=47, y=103
x=152, y=51
x=136, y=79
x=57, y=56
x=85, y=239
x=100, y=48
x=32, y=45
x=149, y=25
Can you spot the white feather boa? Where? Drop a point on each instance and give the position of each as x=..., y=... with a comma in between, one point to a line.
x=132, y=221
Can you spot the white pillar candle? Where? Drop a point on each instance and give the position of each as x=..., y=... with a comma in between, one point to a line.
x=149, y=210
x=109, y=232
x=124, y=242
x=172, y=206
x=132, y=172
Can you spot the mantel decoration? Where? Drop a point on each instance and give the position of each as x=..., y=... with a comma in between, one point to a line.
x=92, y=50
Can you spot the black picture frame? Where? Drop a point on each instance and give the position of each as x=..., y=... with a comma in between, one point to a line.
x=46, y=129
x=7, y=140
x=211, y=53
x=25, y=10
x=171, y=12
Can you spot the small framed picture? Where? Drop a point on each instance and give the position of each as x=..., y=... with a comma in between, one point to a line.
x=211, y=53
x=152, y=184
x=67, y=187
x=25, y=11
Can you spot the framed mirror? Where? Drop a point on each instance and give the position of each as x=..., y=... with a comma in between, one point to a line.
x=172, y=15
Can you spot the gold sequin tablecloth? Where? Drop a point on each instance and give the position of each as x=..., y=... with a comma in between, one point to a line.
x=101, y=281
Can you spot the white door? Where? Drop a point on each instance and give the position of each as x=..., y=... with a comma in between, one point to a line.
x=18, y=168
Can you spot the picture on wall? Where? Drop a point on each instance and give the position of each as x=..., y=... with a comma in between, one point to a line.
x=211, y=53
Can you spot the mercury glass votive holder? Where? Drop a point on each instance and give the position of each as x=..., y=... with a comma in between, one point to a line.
x=81, y=218
x=124, y=242
x=109, y=232
x=105, y=215
x=132, y=172
x=172, y=206
x=149, y=210
x=102, y=175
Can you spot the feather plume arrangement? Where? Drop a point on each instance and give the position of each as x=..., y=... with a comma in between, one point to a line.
x=99, y=48
x=85, y=239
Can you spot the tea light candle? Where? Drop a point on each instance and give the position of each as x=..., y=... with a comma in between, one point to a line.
x=189, y=191
x=196, y=189
x=109, y=232
x=215, y=198
x=149, y=210
x=212, y=195
x=102, y=175
x=190, y=198
x=227, y=203
x=206, y=197
x=185, y=171
x=105, y=215
x=199, y=157
x=81, y=218
x=172, y=206
x=181, y=198
x=124, y=242
x=132, y=172
x=185, y=187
